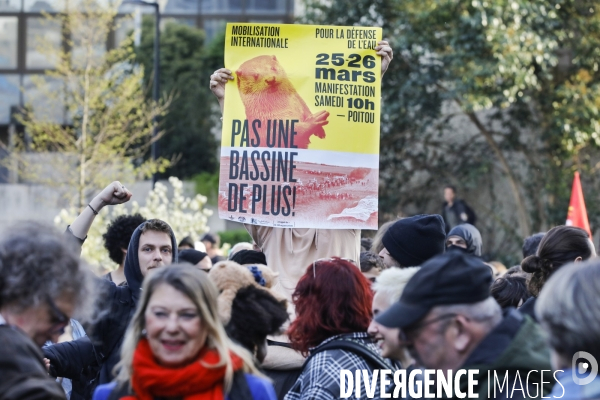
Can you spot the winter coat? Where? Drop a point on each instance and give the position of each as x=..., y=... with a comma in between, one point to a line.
x=528, y=308
x=458, y=208
x=260, y=389
x=89, y=361
x=320, y=378
x=23, y=373
x=515, y=347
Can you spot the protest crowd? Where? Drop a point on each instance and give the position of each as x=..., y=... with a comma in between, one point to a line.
x=285, y=316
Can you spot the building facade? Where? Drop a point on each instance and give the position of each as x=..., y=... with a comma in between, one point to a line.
x=22, y=26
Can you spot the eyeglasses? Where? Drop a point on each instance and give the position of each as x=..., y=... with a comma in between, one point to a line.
x=418, y=326
x=329, y=259
x=59, y=319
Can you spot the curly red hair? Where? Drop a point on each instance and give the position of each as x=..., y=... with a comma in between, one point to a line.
x=338, y=300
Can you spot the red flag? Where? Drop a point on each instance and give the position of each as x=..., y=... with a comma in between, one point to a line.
x=577, y=215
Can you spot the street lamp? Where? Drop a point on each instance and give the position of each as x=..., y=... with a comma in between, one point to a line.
x=154, y=148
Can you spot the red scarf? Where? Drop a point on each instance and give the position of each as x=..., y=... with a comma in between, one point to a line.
x=192, y=382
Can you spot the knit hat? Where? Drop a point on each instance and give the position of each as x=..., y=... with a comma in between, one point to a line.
x=244, y=257
x=414, y=240
x=191, y=256
x=209, y=237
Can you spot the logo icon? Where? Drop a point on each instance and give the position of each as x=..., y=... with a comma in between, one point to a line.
x=589, y=366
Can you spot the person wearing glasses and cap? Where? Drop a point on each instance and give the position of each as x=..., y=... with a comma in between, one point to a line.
x=42, y=282
x=449, y=321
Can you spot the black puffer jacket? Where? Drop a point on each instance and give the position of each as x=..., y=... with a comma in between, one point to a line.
x=89, y=361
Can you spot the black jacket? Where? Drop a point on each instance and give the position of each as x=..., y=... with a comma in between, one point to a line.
x=22, y=371
x=528, y=308
x=458, y=208
x=89, y=361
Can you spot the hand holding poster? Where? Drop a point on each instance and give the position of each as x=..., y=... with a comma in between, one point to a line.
x=300, y=144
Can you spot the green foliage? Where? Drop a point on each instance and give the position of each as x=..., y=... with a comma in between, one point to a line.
x=207, y=184
x=235, y=236
x=184, y=72
x=110, y=118
x=499, y=97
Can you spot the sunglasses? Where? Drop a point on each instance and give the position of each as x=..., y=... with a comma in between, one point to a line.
x=418, y=326
x=58, y=319
x=329, y=259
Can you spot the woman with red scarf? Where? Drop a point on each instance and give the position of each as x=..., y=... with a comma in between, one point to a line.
x=176, y=347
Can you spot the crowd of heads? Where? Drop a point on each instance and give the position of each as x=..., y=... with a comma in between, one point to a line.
x=454, y=300
x=426, y=297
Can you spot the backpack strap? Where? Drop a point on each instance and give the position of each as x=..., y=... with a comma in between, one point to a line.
x=373, y=359
x=240, y=389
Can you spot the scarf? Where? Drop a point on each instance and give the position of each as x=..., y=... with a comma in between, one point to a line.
x=194, y=381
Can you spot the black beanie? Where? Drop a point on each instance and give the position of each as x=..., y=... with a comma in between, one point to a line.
x=191, y=256
x=244, y=257
x=414, y=240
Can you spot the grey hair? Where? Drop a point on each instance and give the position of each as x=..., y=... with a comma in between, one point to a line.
x=487, y=311
x=569, y=309
x=38, y=264
x=197, y=286
x=391, y=282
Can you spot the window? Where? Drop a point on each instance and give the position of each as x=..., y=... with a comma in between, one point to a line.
x=8, y=42
x=43, y=37
x=264, y=5
x=10, y=5
x=181, y=7
x=44, y=94
x=9, y=96
x=220, y=6
x=124, y=27
x=212, y=27
x=43, y=5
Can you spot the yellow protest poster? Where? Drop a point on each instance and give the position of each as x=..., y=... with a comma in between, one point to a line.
x=300, y=141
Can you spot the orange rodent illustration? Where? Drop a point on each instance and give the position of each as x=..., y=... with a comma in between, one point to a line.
x=268, y=95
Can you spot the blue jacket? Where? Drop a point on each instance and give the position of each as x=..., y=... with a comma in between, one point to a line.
x=567, y=389
x=260, y=388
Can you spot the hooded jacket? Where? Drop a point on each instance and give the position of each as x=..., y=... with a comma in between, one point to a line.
x=89, y=361
x=514, y=350
x=471, y=235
